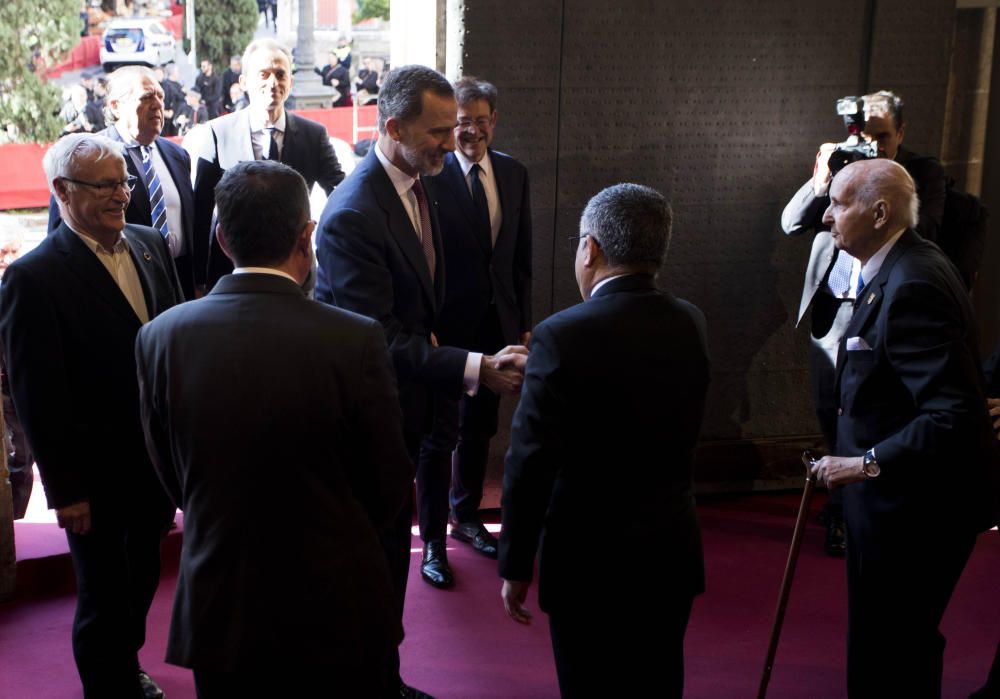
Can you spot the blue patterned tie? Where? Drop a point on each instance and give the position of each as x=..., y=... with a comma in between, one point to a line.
x=839, y=280
x=157, y=205
x=861, y=284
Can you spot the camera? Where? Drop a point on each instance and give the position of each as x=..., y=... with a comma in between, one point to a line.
x=856, y=147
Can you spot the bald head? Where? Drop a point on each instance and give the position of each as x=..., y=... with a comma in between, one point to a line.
x=870, y=201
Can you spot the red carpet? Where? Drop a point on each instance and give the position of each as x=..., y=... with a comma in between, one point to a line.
x=460, y=645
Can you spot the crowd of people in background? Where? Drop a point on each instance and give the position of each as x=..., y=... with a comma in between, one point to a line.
x=212, y=94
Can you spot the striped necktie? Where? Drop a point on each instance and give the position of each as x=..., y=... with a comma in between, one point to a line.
x=426, y=231
x=157, y=206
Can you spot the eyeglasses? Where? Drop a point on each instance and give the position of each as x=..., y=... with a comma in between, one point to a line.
x=480, y=123
x=574, y=240
x=106, y=189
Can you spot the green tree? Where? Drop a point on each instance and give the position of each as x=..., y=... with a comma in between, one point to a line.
x=367, y=9
x=29, y=106
x=224, y=28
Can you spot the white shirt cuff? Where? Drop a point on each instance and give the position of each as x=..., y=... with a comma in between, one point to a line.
x=471, y=380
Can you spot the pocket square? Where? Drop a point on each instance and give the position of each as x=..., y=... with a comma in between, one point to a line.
x=857, y=344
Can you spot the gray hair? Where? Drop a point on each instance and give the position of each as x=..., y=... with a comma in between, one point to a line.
x=402, y=93
x=471, y=89
x=122, y=85
x=631, y=223
x=265, y=45
x=61, y=158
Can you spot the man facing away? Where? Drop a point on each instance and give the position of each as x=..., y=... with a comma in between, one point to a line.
x=600, y=461
x=914, y=440
x=69, y=314
x=220, y=380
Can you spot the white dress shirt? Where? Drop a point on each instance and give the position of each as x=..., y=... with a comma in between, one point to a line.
x=260, y=137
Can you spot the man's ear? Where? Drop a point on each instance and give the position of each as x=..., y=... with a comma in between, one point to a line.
x=305, y=241
x=61, y=192
x=392, y=128
x=882, y=212
x=222, y=242
x=591, y=251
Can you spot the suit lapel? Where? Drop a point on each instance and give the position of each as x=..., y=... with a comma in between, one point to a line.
x=869, y=302
x=504, y=195
x=142, y=258
x=84, y=264
x=400, y=226
x=288, y=155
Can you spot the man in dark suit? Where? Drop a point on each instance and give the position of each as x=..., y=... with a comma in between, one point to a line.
x=831, y=274
x=914, y=441
x=611, y=408
x=380, y=255
x=69, y=314
x=322, y=381
x=485, y=216
x=262, y=131
x=135, y=112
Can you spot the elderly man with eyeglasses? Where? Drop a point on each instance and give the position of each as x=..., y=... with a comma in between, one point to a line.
x=69, y=313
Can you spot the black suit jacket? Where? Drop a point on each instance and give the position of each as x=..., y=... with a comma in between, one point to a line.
x=917, y=398
x=371, y=262
x=255, y=386
x=610, y=411
x=178, y=163
x=480, y=272
x=306, y=148
x=69, y=335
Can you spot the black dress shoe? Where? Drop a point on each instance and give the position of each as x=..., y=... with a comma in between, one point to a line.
x=150, y=690
x=409, y=692
x=476, y=534
x=434, y=567
x=836, y=544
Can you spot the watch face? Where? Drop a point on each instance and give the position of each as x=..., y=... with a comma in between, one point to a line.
x=871, y=467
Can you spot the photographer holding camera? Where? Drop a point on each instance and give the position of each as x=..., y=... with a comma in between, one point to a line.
x=876, y=126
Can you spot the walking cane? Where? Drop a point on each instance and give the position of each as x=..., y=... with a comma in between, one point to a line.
x=786, y=582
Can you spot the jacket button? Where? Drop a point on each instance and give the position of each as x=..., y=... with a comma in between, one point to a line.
x=840, y=411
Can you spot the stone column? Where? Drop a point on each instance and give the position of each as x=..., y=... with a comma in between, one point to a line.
x=309, y=92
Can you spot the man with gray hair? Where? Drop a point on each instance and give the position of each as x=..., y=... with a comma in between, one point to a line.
x=70, y=311
x=914, y=440
x=265, y=130
x=613, y=398
x=162, y=197
x=380, y=255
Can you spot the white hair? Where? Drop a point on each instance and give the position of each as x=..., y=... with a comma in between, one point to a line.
x=61, y=158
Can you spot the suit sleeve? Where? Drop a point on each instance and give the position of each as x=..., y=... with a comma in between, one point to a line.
x=357, y=273
x=152, y=411
x=383, y=479
x=925, y=344
x=804, y=212
x=536, y=448
x=39, y=381
x=522, y=258
x=330, y=173
x=207, y=175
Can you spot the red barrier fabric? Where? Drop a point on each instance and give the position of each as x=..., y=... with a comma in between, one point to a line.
x=23, y=186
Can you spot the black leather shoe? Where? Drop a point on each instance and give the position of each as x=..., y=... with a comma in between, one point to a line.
x=408, y=692
x=476, y=534
x=836, y=544
x=434, y=568
x=150, y=690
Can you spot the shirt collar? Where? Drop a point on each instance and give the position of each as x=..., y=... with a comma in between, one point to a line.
x=601, y=283
x=95, y=247
x=467, y=164
x=257, y=122
x=400, y=180
x=264, y=270
x=870, y=269
x=127, y=137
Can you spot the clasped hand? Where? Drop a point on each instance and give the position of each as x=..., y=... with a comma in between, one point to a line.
x=503, y=372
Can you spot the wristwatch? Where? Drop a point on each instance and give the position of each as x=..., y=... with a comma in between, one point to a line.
x=870, y=466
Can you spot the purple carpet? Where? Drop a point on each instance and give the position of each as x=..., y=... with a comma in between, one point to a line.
x=461, y=645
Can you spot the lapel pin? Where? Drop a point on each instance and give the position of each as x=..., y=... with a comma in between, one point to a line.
x=871, y=298
x=148, y=258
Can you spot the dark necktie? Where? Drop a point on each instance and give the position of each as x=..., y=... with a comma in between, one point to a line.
x=480, y=204
x=157, y=206
x=426, y=232
x=272, y=153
